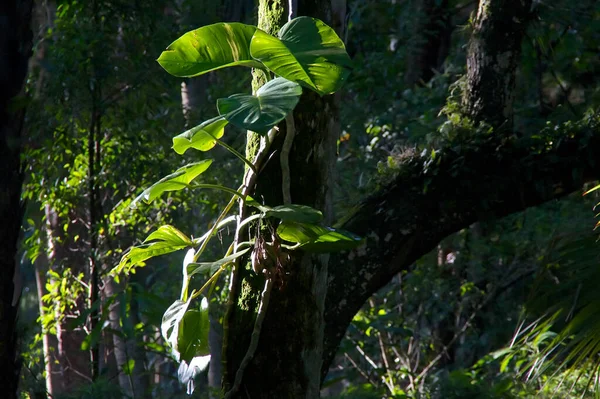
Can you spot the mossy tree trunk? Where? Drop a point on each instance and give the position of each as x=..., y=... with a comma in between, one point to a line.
x=288, y=359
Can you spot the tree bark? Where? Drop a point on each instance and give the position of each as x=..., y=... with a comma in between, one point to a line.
x=493, y=55
x=290, y=348
x=15, y=47
x=430, y=40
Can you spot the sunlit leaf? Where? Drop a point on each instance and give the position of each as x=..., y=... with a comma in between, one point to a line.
x=261, y=112
x=209, y=48
x=201, y=137
x=317, y=238
x=164, y=240
x=308, y=52
x=173, y=182
x=170, y=235
x=188, y=371
x=170, y=321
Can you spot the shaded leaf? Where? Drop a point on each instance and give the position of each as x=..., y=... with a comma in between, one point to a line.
x=211, y=267
x=261, y=112
x=295, y=213
x=209, y=48
x=308, y=52
x=192, y=337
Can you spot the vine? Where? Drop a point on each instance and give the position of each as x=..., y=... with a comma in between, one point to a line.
x=305, y=53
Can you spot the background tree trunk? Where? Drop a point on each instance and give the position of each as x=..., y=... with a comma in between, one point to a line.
x=15, y=47
x=494, y=51
x=430, y=40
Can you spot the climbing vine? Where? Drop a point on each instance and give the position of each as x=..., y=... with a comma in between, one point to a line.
x=306, y=53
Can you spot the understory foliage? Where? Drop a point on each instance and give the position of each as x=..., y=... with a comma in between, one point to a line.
x=502, y=309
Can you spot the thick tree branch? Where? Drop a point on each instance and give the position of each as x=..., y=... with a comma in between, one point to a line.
x=430, y=199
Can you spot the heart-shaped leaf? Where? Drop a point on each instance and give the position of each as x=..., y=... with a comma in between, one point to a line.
x=308, y=52
x=201, y=137
x=267, y=108
x=173, y=182
x=315, y=238
x=209, y=48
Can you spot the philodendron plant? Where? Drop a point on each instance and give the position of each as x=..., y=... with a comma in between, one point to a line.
x=306, y=53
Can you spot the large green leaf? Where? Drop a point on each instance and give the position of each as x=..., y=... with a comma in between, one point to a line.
x=266, y=109
x=166, y=239
x=209, y=48
x=192, y=335
x=170, y=321
x=308, y=52
x=170, y=235
x=295, y=213
x=173, y=182
x=315, y=238
x=201, y=137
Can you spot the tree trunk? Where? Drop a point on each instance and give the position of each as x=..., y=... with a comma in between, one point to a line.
x=70, y=366
x=494, y=51
x=15, y=47
x=289, y=354
x=430, y=40
x=134, y=382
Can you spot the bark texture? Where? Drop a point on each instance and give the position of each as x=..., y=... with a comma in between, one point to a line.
x=476, y=178
x=493, y=55
x=430, y=40
x=288, y=360
x=15, y=51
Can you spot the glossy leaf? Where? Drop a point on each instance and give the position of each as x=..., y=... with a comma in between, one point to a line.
x=192, y=338
x=201, y=137
x=267, y=108
x=169, y=234
x=166, y=239
x=315, y=238
x=308, y=52
x=211, y=267
x=295, y=213
x=173, y=182
x=170, y=322
x=209, y=48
